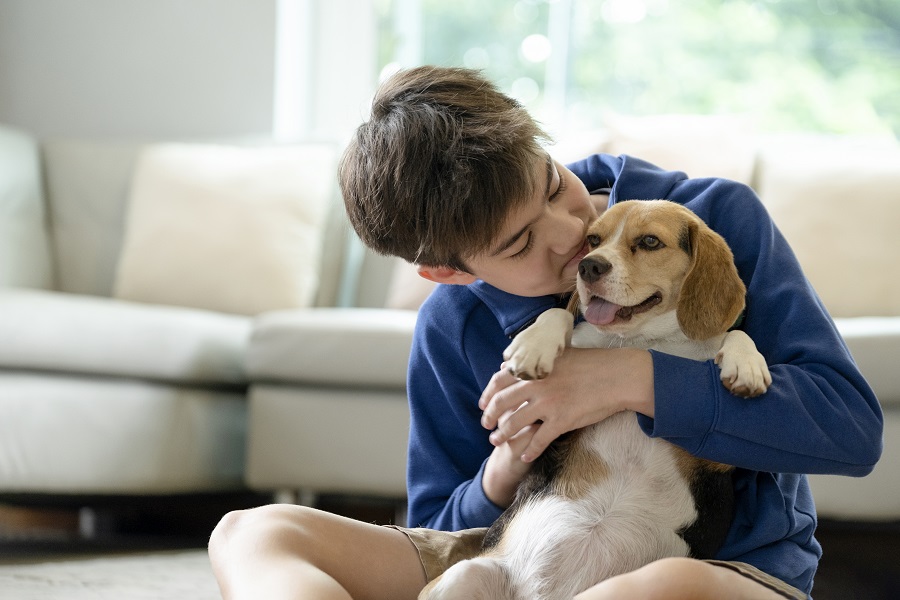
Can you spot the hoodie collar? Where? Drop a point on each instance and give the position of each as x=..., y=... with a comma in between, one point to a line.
x=514, y=313
x=625, y=177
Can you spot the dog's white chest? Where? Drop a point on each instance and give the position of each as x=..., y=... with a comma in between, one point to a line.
x=623, y=521
x=643, y=478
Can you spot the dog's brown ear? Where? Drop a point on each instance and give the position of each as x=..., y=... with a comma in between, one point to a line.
x=712, y=295
x=574, y=305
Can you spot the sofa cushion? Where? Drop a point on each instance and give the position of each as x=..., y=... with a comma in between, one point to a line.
x=24, y=244
x=332, y=346
x=289, y=425
x=231, y=229
x=874, y=343
x=408, y=290
x=836, y=202
x=54, y=331
x=86, y=435
x=871, y=498
x=87, y=185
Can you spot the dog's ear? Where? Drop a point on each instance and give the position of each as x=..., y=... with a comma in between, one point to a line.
x=712, y=295
x=574, y=305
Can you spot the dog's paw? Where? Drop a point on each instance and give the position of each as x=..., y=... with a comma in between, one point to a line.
x=527, y=360
x=743, y=369
x=746, y=379
x=532, y=353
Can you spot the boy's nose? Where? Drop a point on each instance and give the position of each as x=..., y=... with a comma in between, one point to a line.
x=568, y=233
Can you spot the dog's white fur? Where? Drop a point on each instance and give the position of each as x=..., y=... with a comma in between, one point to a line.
x=559, y=544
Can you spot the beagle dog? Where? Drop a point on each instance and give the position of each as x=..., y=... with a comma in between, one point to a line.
x=607, y=499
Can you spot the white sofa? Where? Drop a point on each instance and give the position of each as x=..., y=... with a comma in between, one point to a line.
x=99, y=396
x=107, y=388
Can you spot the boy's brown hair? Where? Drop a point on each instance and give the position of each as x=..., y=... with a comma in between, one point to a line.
x=443, y=160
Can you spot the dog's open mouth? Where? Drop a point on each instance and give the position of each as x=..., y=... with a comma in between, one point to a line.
x=601, y=312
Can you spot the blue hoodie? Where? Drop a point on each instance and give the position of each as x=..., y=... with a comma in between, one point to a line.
x=819, y=415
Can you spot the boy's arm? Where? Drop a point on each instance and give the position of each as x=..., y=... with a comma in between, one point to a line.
x=820, y=415
x=448, y=449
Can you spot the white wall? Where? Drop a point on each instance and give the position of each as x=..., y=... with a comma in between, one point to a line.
x=138, y=68
x=326, y=67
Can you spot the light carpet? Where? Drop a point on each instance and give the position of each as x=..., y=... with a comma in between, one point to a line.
x=170, y=575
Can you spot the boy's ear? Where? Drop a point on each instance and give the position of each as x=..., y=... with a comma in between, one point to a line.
x=445, y=275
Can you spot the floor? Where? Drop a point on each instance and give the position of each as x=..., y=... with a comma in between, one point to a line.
x=860, y=562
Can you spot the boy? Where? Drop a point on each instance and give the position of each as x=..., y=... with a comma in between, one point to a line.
x=449, y=174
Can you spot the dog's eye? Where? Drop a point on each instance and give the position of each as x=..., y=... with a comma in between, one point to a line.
x=593, y=240
x=650, y=242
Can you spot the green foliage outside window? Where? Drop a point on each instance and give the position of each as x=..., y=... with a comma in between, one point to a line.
x=791, y=65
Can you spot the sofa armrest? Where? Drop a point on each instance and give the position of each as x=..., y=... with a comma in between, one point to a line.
x=88, y=335
x=352, y=347
x=874, y=343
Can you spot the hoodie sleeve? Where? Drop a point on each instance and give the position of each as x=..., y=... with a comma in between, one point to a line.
x=447, y=445
x=819, y=415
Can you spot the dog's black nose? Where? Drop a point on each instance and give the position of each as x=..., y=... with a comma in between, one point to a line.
x=591, y=269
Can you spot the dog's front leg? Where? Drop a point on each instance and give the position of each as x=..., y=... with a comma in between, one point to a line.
x=532, y=353
x=743, y=369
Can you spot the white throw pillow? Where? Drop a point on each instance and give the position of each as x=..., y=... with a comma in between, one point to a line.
x=699, y=145
x=838, y=205
x=408, y=289
x=231, y=229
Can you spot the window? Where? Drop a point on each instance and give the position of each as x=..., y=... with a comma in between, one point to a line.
x=791, y=65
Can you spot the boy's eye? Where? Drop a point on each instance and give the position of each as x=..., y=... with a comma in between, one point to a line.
x=526, y=249
x=559, y=189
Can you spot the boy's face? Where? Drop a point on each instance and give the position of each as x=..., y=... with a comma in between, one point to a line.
x=537, y=250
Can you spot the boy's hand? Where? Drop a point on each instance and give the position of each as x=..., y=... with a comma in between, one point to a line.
x=505, y=469
x=586, y=386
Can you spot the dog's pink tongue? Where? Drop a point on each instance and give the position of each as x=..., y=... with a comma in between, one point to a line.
x=600, y=312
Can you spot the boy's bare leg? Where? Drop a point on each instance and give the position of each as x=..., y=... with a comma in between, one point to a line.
x=283, y=551
x=680, y=579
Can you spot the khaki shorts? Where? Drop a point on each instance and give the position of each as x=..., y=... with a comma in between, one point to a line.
x=439, y=550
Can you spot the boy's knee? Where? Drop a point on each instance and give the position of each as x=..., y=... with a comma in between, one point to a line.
x=672, y=578
x=675, y=568
x=228, y=527
x=257, y=525
x=667, y=578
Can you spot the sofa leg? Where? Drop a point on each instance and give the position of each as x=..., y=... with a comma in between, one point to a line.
x=302, y=497
x=88, y=524
x=400, y=513
x=307, y=497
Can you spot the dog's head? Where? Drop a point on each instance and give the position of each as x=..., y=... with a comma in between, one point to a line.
x=648, y=258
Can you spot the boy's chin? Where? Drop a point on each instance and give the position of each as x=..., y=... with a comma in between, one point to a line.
x=531, y=292
x=564, y=285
